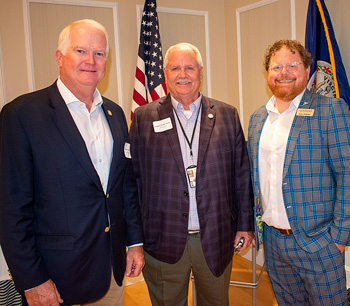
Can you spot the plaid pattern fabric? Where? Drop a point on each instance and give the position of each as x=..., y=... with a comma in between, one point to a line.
x=256, y=123
x=223, y=192
x=316, y=175
x=302, y=278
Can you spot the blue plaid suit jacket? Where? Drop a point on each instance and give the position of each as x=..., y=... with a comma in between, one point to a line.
x=316, y=174
x=224, y=192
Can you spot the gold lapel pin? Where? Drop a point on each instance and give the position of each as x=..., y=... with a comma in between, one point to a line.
x=210, y=116
x=109, y=112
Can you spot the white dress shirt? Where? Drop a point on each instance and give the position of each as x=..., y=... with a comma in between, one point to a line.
x=188, y=121
x=272, y=150
x=94, y=129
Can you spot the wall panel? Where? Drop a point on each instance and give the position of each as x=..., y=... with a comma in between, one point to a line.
x=260, y=25
x=45, y=22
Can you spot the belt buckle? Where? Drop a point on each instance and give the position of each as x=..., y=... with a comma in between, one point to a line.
x=285, y=231
x=193, y=233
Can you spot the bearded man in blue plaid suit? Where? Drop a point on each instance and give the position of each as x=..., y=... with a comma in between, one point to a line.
x=300, y=162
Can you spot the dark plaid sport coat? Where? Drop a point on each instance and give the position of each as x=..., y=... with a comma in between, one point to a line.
x=223, y=192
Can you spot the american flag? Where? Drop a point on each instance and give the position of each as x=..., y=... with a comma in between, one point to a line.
x=149, y=78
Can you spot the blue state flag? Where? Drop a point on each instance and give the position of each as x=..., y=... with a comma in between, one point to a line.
x=327, y=72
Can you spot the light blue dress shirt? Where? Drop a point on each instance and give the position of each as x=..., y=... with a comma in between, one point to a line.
x=188, y=121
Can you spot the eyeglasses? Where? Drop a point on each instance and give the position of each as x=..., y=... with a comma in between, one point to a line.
x=292, y=67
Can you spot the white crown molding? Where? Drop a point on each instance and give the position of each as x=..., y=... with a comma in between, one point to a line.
x=205, y=14
x=243, y=9
x=28, y=41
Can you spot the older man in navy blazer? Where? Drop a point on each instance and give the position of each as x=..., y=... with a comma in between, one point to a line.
x=300, y=159
x=68, y=195
x=190, y=159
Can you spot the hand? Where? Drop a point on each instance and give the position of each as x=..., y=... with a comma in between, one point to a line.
x=134, y=261
x=254, y=242
x=43, y=295
x=340, y=247
x=248, y=238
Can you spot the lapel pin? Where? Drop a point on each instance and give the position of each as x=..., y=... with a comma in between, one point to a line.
x=109, y=112
x=210, y=116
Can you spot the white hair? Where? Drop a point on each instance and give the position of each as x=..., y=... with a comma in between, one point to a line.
x=64, y=40
x=184, y=46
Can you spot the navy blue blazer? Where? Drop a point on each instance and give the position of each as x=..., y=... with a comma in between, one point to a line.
x=55, y=219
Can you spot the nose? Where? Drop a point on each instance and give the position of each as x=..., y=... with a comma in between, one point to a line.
x=182, y=72
x=284, y=69
x=90, y=58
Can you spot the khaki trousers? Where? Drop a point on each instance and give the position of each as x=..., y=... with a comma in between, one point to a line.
x=168, y=283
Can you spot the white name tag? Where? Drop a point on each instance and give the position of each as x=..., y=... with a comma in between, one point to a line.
x=162, y=125
x=127, y=150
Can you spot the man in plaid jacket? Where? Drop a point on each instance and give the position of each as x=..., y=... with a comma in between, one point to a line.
x=300, y=162
x=194, y=184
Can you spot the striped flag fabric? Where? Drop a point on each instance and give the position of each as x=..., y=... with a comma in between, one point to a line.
x=327, y=72
x=149, y=77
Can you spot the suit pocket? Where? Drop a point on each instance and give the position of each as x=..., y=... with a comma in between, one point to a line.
x=55, y=242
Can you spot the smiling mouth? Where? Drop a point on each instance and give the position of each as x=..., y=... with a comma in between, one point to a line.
x=87, y=70
x=285, y=81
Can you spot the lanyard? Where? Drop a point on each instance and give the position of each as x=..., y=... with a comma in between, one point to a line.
x=194, y=129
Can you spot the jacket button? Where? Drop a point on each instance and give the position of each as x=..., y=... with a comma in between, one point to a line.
x=184, y=216
x=185, y=193
x=107, y=195
x=107, y=229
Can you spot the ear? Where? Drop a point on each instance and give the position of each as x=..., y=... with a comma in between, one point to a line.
x=308, y=70
x=165, y=75
x=59, y=56
x=201, y=74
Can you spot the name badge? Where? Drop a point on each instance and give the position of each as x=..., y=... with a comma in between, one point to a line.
x=162, y=125
x=127, y=152
x=305, y=112
x=191, y=173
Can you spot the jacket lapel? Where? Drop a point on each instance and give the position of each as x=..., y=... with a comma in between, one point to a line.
x=297, y=125
x=66, y=125
x=208, y=118
x=260, y=121
x=165, y=110
x=117, y=136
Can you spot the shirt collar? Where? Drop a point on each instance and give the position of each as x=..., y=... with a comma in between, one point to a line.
x=69, y=97
x=193, y=107
x=270, y=105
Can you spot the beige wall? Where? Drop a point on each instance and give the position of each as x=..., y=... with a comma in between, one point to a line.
x=12, y=31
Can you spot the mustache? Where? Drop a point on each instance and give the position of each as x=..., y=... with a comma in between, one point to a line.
x=183, y=81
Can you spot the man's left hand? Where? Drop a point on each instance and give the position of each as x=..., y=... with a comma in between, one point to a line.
x=134, y=261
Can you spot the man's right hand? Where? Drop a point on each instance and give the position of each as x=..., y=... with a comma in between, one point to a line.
x=44, y=295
